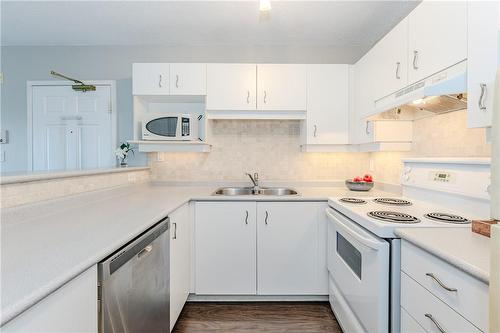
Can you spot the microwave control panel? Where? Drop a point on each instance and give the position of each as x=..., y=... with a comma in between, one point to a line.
x=185, y=127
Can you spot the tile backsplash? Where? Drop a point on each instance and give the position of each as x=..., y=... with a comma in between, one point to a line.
x=269, y=147
x=272, y=148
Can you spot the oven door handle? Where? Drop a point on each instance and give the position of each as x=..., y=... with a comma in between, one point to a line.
x=372, y=244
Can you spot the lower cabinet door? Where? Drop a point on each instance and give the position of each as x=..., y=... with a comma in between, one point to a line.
x=180, y=261
x=71, y=308
x=290, y=252
x=408, y=324
x=225, y=248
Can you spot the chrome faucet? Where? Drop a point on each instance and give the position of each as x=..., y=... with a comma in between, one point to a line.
x=255, y=181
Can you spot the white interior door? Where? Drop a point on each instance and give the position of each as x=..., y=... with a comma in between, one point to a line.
x=71, y=129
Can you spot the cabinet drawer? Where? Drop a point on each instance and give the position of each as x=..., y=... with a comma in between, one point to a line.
x=431, y=313
x=471, y=296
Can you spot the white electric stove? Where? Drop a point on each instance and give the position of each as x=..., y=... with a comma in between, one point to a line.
x=363, y=251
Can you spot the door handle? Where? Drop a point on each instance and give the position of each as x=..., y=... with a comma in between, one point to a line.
x=415, y=59
x=145, y=251
x=481, y=98
x=440, y=282
x=266, y=218
x=246, y=217
x=398, y=65
x=428, y=315
x=160, y=83
x=175, y=230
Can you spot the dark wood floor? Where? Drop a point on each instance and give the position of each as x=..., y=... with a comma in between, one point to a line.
x=289, y=317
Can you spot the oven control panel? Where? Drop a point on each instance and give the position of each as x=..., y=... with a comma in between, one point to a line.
x=441, y=176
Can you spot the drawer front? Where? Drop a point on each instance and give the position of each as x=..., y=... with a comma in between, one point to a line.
x=408, y=324
x=430, y=312
x=471, y=296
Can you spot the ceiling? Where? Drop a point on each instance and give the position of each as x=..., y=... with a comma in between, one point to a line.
x=345, y=24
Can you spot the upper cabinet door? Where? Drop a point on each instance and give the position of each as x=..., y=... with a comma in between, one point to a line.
x=281, y=87
x=231, y=87
x=482, y=61
x=327, y=104
x=188, y=79
x=390, y=60
x=437, y=37
x=150, y=79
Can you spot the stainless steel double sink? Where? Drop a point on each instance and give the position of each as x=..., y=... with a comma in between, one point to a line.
x=234, y=191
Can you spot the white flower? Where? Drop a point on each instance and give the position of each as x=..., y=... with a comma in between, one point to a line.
x=120, y=153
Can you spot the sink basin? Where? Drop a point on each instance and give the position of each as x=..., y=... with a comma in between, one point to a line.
x=232, y=191
x=277, y=191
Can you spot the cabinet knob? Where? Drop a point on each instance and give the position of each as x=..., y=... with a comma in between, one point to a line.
x=415, y=59
x=315, y=130
x=265, y=97
x=398, y=65
x=482, y=96
x=248, y=96
x=246, y=217
x=177, y=80
x=160, y=83
x=266, y=218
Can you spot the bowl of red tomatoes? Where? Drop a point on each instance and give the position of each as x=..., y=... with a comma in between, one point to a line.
x=364, y=183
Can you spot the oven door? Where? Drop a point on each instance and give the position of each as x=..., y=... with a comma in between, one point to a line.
x=162, y=128
x=359, y=265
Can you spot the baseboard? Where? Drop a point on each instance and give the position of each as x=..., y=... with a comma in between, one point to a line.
x=257, y=298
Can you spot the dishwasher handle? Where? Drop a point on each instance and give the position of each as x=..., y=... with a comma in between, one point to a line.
x=138, y=247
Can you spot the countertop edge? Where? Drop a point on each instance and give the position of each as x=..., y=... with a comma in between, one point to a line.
x=460, y=264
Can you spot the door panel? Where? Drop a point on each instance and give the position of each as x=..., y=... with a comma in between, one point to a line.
x=150, y=79
x=438, y=33
x=281, y=87
x=289, y=261
x=225, y=248
x=188, y=79
x=327, y=104
x=231, y=86
x=71, y=130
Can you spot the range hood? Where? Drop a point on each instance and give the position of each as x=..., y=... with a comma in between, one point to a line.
x=440, y=93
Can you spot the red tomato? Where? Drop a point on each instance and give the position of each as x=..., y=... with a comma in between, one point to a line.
x=368, y=178
x=357, y=179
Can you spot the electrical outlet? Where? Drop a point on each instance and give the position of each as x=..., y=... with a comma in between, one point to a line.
x=131, y=177
x=159, y=157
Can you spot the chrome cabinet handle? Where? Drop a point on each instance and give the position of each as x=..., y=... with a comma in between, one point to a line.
x=145, y=251
x=315, y=130
x=246, y=217
x=267, y=216
x=160, y=84
x=481, y=98
x=428, y=315
x=415, y=59
x=265, y=97
x=248, y=96
x=177, y=80
x=398, y=65
x=367, y=128
x=175, y=230
x=440, y=282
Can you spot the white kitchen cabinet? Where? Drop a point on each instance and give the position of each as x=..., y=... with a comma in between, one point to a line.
x=150, y=79
x=437, y=37
x=389, y=58
x=180, y=261
x=327, y=120
x=482, y=61
x=281, y=87
x=188, y=79
x=71, y=308
x=225, y=243
x=231, y=87
x=291, y=249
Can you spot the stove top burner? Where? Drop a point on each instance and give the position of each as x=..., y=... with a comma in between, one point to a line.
x=447, y=218
x=393, y=217
x=353, y=200
x=392, y=201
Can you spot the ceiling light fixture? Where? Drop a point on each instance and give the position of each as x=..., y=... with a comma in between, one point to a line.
x=265, y=5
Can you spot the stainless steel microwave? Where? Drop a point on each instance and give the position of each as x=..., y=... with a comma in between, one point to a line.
x=170, y=127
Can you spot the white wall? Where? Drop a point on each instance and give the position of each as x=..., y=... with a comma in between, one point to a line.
x=23, y=63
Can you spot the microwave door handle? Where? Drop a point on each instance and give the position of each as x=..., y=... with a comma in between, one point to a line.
x=374, y=245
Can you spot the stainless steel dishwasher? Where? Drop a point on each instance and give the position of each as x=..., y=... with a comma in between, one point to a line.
x=134, y=285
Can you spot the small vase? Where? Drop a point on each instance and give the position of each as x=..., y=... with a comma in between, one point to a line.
x=123, y=162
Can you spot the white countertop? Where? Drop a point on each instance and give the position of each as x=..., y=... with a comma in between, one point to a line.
x=44, y=245
x=460, y=247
